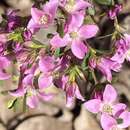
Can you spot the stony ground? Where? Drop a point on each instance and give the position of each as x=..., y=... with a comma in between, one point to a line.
x=54, y=115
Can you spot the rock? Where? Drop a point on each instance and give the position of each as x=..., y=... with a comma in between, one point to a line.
x=44, y=123
x=123, y=83
x=2, y=127
x=67, y=116
x=23, y=5
x=126, y=24
x=86, y=121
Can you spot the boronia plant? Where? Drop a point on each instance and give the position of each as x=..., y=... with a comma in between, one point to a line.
x=68, y=57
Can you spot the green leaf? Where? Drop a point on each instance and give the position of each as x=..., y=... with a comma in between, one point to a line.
x=1, y=83
x=57, y=52
x=37, y=44
x=16, y=36
x=85, y=61
x=11, y=103
x=104, y=2
x=120, y=1
x=60, y=28
x=88, y=20
x=24, y=102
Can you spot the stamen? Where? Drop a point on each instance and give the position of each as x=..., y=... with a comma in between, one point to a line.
x=107, y=108
x=43, y=19
x=73, y=35
x=70, y=5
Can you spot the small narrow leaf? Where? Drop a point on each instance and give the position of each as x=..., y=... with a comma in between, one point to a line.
x=11, y=103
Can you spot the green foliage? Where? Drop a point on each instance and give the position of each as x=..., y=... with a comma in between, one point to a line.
x=91, y=11
x=104, y=2
x=11, y=103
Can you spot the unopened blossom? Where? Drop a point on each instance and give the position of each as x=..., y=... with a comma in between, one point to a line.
x=42, y=18
x=114, y=11
x=27, y=34
x=75, y=35
x=35, y=96
x=72, y=6
x=71, y=90
x=48, y=66
x=26, y=86
x=122, y=50
x=106, y=105
x=106, y=65
x=13, y=19
x=110, y=123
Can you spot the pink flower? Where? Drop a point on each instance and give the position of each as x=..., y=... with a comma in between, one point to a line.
x=122, y=49
x=107, y=104
x=72, y=6
x=71, y=89
x=115, y=11
x=48, y=66
x=75, y=35
x=35, y=96
x=110, y=123
x=42, y=18
x=26, y=86
x=106, y=65
x=13, y=20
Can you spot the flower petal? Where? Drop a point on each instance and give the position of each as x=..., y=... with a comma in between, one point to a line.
x=107, y=122
x=109, y=94
x=74, y=21
x=118, y=109
x=81, y=4
x=93, y=105
x=4, y=62
x=32, y=26
x=69, y=101
x=57, y=41
x=36, y=14
x=32, y=101
x=51, y=7
x=4, y=76
x=44, y=81
x=18, y=92
x=46, y=64
x=78, y=94
x=79, y=49
x=28, y=80
x=88, y=31
x=45, y=97
x=126, y=119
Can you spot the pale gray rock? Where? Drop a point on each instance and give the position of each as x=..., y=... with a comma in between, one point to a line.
x=44, y=123
x=86, y=121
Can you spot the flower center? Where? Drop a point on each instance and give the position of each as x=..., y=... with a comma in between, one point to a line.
x=70, y=5
x=44, y=19
x=107, y=109
x=73, y=35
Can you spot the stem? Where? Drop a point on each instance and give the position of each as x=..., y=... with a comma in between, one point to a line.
x=101, y=37
x=94, y=77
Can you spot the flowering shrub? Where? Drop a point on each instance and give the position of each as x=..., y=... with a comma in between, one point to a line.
x=68, y=58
